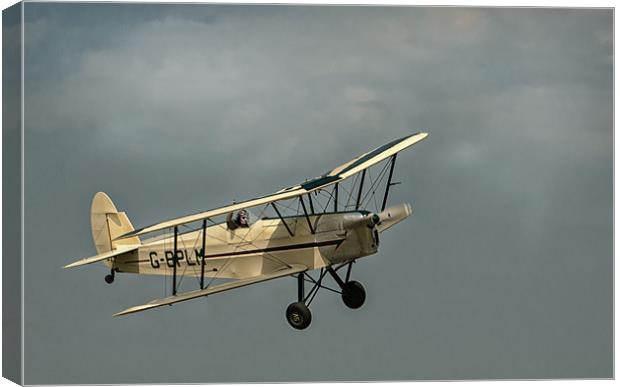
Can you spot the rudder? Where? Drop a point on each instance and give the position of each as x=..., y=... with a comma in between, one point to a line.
x=108, y=223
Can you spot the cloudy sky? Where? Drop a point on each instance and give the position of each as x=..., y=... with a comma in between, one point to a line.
x=503, y=271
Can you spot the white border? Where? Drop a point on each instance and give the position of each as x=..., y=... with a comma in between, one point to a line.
x=543, y=3
x=23, y=173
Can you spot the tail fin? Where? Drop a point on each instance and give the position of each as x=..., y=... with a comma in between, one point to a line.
x=107, y=223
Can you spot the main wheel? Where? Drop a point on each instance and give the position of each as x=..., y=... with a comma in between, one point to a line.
x=353, y=294
x=298, y=315
x=109, y=278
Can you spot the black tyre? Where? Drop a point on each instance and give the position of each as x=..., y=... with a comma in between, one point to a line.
x=109, y=278
x=353, y=294
x=298, y=315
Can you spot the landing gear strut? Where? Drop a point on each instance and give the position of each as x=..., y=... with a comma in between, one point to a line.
x=110, y=277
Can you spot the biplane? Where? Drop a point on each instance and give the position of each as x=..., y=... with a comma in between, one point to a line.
x=325, y=224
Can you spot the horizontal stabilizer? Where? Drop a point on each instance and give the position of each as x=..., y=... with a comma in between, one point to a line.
x=102, y=257
x=391, y=216
x=215, y=289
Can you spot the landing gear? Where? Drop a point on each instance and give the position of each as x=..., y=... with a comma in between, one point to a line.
x=110, y=277
x=298, y=315
x=353, y=294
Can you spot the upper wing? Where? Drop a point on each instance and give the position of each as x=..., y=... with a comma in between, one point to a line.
x=333, y=176
x=281, y=195
x=212, y=290
x=102, y=257
x=373, y=157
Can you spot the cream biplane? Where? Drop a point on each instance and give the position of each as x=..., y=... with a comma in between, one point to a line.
x=322, y=224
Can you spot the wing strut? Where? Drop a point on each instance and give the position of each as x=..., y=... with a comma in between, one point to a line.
x=359, y=193
x=311, y=205
x=336, y=197
x=204, y=253
x=273, y=204
x=303, y=206
x=174, y=262
x=389, y=182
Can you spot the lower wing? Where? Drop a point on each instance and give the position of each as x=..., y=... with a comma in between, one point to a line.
x=294, y=269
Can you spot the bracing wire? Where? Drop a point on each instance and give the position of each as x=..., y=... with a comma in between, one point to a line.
x=329, y=195
x=375, y=184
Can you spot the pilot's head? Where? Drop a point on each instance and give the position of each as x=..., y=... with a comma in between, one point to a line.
x=242, y=218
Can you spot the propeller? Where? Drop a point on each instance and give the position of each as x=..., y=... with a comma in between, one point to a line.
x=383, y=220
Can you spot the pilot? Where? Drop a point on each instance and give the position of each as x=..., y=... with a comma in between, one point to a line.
x=241, y=220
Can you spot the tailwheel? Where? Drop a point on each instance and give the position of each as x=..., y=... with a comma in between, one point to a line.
x=110, y=277
x=353, y=294
x=298, y=315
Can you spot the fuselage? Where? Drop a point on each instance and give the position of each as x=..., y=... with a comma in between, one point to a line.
x=266, y=245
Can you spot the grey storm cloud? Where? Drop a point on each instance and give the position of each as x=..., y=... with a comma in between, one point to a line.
x=504, y=270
